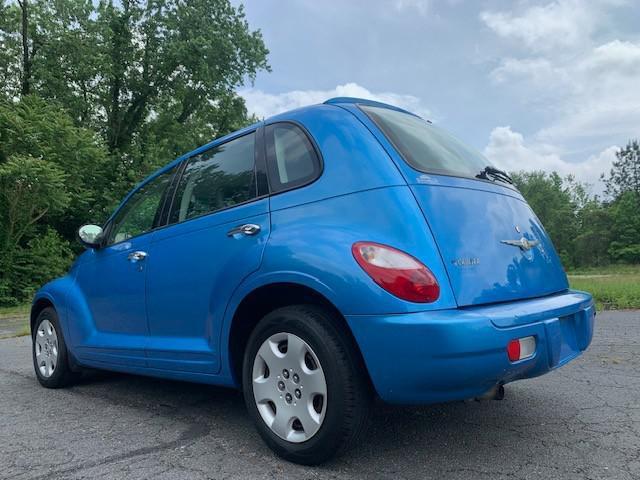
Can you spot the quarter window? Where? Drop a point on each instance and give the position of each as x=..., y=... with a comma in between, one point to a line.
x=219, y=178
x=140, y=213
x=291, y=156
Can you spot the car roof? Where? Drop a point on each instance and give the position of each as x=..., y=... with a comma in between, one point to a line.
x=337, y=101
x=364, y=101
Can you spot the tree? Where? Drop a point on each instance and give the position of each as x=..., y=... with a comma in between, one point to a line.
x=122, y=67
x=593, y=235
x=625, y=172
x=52, y=173
x=155, y=78
x=35, y=129
x=94, y=95
x=554, y=205
x=625, y=244
x=30, y=188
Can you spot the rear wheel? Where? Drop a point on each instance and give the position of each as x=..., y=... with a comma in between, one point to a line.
x=50, y=356
x=304, y=385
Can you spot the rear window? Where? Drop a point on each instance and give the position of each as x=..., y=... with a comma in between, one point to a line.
x=425, y=147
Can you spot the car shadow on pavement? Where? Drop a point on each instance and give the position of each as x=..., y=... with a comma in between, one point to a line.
x=465, y=433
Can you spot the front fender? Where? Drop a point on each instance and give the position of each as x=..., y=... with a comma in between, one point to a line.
x=55, y=293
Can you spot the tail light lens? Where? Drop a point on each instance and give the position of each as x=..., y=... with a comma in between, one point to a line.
x=521, y=348
x=397, y=272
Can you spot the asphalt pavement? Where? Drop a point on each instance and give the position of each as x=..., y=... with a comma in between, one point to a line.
x=579, y=422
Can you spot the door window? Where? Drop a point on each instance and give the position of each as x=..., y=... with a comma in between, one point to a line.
x=140, y=213
x=292, y=158
x=219, y=178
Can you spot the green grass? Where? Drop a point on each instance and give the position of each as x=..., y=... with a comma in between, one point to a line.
x=614, y=287
x=15, y=311
x=10, y=314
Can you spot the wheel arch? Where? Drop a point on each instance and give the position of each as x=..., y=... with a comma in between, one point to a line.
x=264, y=299
x=39, y=304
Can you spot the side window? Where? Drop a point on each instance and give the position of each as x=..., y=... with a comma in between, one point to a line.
x=292, y=160
x=139, y=214
x=216, y=179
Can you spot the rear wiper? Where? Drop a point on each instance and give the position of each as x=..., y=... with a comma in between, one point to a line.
x=496, y=174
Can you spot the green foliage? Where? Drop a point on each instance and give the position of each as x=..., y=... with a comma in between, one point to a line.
x=625, y=173
x=555, y=205
x=35, y=128
x=594, y=235
x=45, y=257
x=585, y=230
x=625, y=228
x=155, y=78
x=29, y=189
x=104, y=93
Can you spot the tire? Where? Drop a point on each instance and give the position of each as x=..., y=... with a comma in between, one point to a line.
x=328, y=354
x=49, y=351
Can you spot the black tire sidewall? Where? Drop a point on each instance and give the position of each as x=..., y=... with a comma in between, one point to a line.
x=328, y=439
x=60, y=374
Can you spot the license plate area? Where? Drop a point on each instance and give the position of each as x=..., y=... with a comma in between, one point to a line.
x=562, y=340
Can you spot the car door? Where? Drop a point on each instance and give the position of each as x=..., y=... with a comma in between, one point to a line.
x=218, y=226
x=112, y=279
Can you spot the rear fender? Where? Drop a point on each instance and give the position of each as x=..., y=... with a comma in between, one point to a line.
x=254, y=282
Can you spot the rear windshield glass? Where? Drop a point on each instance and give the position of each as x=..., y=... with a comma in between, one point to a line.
x=425, y=147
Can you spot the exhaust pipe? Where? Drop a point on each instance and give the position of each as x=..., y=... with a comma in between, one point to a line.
x=495, y=393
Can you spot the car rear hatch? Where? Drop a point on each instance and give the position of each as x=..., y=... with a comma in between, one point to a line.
x=480, y=235
x=493, y=245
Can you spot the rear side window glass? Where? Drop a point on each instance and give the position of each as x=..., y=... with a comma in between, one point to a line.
x=219, y=178
x=292, y=160
x=424, y=146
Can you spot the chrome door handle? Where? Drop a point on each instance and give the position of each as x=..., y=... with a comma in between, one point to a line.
x=137, y=256
x=246, y=229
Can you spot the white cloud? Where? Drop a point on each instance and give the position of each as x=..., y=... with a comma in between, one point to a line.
x=561, y=23
x=264, y=104
x=508, y=149
x=618, y=56
x=420, y=6
x=586, y=88
x=537, y=71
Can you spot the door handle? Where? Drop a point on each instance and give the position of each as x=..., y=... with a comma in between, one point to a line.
x=137, y=256
x=246, y=229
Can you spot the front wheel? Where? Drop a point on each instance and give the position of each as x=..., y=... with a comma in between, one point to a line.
x=304, y=385
x=50, y=356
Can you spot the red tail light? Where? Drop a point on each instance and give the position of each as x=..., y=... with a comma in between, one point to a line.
x=521, y=348
x=397, y=272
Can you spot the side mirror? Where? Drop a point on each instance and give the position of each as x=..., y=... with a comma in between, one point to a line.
x=90, y=236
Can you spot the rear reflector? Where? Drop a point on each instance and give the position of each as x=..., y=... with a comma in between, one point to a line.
x=397, y=272
x=521, y=348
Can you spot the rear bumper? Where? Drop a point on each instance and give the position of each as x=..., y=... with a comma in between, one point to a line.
x=446, y=355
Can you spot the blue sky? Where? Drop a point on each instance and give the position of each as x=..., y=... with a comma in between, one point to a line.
x=551, y=85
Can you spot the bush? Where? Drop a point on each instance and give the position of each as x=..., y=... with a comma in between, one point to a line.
x=46, y=257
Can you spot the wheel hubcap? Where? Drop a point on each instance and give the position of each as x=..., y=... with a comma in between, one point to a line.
x=46, y=347
x=289, y=387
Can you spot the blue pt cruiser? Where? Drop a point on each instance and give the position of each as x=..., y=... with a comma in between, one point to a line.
x=315, y=260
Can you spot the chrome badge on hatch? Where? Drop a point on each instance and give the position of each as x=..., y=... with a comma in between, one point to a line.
x=524, y=244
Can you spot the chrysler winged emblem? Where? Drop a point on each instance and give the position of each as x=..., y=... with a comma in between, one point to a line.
x=523, y=243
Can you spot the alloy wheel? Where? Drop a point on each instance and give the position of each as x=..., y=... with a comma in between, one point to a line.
x=46, y=348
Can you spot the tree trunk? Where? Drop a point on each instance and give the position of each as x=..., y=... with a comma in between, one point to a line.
x=26, y=61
